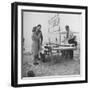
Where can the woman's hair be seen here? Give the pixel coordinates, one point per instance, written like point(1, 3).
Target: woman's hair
point(39, 25)
point(34, 29)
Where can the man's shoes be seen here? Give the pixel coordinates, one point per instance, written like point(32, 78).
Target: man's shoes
point(39, 59)
point(35, 63)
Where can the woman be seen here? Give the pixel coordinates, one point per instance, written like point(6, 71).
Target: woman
point(35, 44)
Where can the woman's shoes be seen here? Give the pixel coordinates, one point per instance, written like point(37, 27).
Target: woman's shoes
point(35, 63)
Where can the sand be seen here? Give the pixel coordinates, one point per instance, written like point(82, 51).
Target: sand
point(54, 65)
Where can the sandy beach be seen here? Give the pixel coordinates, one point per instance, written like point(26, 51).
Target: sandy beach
point(54, 65)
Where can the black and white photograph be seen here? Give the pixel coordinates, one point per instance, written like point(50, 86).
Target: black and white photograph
point(51, 44)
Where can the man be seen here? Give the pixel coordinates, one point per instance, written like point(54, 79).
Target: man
point(71, 40)
point(40, 41)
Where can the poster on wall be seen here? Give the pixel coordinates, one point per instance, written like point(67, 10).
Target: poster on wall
point(49, 44)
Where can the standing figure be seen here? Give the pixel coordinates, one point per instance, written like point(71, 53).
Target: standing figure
point(35, 44)
point(40, 40)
